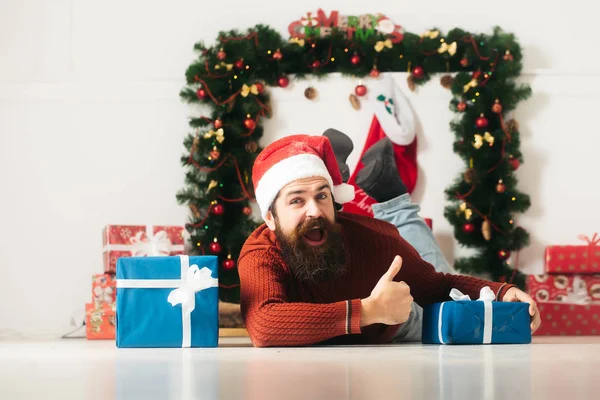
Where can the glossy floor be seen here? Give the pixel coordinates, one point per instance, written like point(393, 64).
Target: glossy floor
point(550, 368)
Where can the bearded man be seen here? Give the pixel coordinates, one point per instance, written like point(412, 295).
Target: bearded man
point(314, 275)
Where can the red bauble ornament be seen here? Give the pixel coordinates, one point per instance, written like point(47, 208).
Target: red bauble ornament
point(462, 106)
point(201, 92)
point(464, 62)
point(221, 55)
point(283, 81)
point(500, 187)
point(360, 90)
point(218, 209)
point(215, 247)
point(374, 73)
point(497, 107)
point(214, 154)
point(250, 124)
point(468, 228)
point(228, 264)
point(503, 255)
point(260, 87)
point(239, 64)
point(355, 59)
point(247, 211)
point(481, 122)
point(418, 72)
point(514, 163)
point(316, 64)
point(218, 124)
point(277, 55)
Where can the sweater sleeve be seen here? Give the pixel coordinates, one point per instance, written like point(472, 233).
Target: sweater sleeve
point(271, 320)
point(429, 286)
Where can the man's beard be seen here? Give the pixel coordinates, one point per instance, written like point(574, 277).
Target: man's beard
point(314, 264)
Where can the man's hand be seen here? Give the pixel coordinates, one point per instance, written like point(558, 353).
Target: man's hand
point(517, 295)
point(389, 302)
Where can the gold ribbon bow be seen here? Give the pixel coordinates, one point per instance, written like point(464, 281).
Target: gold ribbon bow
point(479, 140)
point(468, 212)
point(450, 48)
point(381, 44)
point(213, 184)
point(299, 42)
point(229, 67)
point(220, 135)
point(246, 90)
point(472, 84)
point(430, 34)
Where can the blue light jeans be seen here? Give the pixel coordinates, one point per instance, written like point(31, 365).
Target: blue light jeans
point(404, 215)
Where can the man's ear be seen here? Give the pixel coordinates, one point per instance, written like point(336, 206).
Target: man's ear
point(270, 220)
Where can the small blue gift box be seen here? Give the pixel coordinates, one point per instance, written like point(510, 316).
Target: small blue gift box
point(483, 321)
point(167, 301)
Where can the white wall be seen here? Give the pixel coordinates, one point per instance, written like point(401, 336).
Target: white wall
point(91, 127)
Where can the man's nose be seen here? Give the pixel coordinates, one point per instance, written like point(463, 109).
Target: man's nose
point(313, 210)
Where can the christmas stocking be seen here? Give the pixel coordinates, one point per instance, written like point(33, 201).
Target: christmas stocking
point(392, 117)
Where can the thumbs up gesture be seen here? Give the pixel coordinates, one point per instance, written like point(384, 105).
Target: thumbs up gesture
point(390, 302)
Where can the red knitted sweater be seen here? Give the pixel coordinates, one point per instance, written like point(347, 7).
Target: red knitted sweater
point(279, 310)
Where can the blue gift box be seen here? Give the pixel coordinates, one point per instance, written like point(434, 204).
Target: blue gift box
point(167, 301)
point(476, 322)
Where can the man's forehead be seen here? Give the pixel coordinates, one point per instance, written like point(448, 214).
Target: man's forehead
point(306, 184)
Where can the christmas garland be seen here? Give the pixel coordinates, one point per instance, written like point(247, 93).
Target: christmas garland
point(232, 78)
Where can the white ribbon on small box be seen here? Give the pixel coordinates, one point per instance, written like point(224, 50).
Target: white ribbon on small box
point(157, 244)
point(487, 296)
point(193, 280)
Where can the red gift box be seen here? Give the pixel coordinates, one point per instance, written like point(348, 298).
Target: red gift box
point(100, 321)
point(104, 288)
point(569, 319)
point(140, 241)
point(574, 259)
point(564, 288)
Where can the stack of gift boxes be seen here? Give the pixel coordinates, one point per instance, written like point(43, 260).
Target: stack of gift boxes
point(568, 294)
point(125, 241)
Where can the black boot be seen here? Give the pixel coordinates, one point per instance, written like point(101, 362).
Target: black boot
point(380, 178)
point(342, 147)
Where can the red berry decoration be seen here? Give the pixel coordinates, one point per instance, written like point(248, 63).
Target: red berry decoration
point(228, 264)
point(462, 106)
point(247, 211)
point(239, 64)
point(218, 209)
point(218, 124)
point(374, 73)
point(355, 60)
point(277, 55)
point(215, 247)
point(481, 122)
point(316, 64)
point(360, 90)
point(468, 228)
point(514, 163)
point(503, 255)
point(260, 87)
point(250, 124)
point(464, 62)
point(221, 55)
point(418, 72)
point(284, 81)
point(201, 92)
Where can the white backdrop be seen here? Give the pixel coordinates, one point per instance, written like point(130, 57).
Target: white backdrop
point(91, 127)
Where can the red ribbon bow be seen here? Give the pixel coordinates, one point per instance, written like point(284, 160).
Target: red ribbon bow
point(593, 241)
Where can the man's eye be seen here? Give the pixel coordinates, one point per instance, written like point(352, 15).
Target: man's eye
point(296, 201)
point(322, 196)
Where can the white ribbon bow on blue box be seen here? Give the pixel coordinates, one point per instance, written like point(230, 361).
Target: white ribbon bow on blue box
point(481, 321)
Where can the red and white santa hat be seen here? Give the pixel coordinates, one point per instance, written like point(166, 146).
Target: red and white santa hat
point(296, 157)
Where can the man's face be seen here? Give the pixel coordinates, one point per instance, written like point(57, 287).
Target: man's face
point(304, 223)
